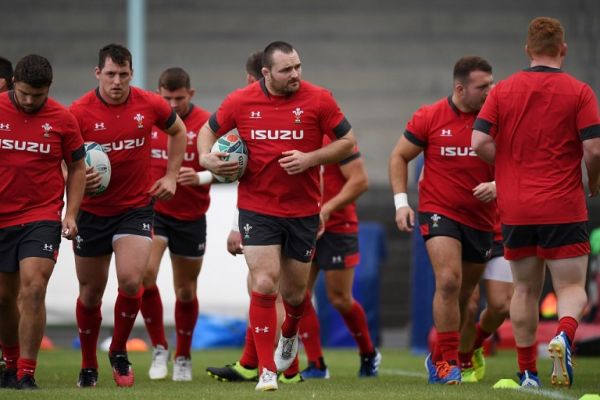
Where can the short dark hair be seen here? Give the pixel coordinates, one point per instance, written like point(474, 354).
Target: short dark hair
point(545, 36)
point(468, 64)
point(34, 70)
point(174, 78)
point(254, 64)
point(118, 53)
point(6, 71)
point(267, 58)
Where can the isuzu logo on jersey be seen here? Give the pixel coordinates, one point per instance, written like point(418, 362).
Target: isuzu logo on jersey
point(22, 145)
point(47, 128)
point(164, 155)
point(297, 113)
point(446, 132)
point(139, 118)
point(123, 144)
point(99, 126)
point(255, 115)
point(281, 134)
point(457, 152)
point(4, 127)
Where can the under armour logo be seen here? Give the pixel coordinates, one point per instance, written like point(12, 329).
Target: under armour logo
point(99, 126)
point(446, 132)
point(308, 253)
point(336, 259)
point(48, 247)
point(145, 227)
point(4, 127)
point(201, 246)
point(263, 330)
point(130, 316)
point(85, 331)
point(185, 333)
point(255, 115)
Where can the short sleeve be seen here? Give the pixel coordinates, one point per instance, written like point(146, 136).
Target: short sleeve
point(588, 118)
point(72, 142)
point(332, 121)
point(417, 129)
point(165, 115)
point(223, 120)
point(488, 116)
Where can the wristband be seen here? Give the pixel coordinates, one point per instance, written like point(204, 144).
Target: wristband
point(400, 200)
point(204, 177)
point(235, 226)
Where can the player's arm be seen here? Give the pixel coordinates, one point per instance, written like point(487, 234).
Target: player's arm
point(485, 191)
point(164, 188)
point(357, 182)
point(75, 188)
point(190, 177)
point(295, 161)
point(591, 157)
point(402, 154)
point(213, 161)
point(483, 144)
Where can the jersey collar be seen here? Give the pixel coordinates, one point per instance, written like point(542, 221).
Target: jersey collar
point(189, 112)
point(112, 105)
point(542, 68)
point(453, 106)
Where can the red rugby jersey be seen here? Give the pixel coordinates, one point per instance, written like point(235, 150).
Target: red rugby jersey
point(452, 169)
point(270, 125)
point(344, 220)
point(32, 147)
point(124, 132)
point(190, 202)
point(542, 115)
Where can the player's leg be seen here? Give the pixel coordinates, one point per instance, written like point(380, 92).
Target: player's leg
point(467, 338)
point(185, 277)
point(9, 323)
point(35, 273)
point(528, 278)
point(310, 332)
point(152, 310)
point(568, 279)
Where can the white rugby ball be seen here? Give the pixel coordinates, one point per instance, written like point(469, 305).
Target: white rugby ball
point(97, 158)
point(235, 146)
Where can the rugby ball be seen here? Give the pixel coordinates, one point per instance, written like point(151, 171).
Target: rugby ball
point(236, 148)
point(96, 157)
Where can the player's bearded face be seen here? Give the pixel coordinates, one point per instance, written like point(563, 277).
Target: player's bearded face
point(29, 98)
point(284, 76)
point(476, 90)
point(113, 81)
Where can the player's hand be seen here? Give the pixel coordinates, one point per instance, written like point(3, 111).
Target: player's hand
point(215, 163)
point(92, 180)
point(234, 243)
point(164, 188)
point(295, 161)
point(188, 177)
point(69, 228)
point(485, 191)
point(405, 219)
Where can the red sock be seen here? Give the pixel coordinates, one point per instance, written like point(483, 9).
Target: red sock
point(465, 360)
point(10, 355)
point(527, 357)
point(249, 357)
point(293, 369)
point(25, 366)
point(186, 315)
point(293, 314)
point(126, 310)
point(310, 333)
point(568, 325)
point(356, 321)
point(152, 311)
point(448, 344)
point(436, 355)
point(88, 324)
point(480, 337)
point(263, 321)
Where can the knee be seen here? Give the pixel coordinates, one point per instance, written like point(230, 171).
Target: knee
point(448, 286)
point(32, 295)
point(264, 284)
point(340, 301)
point(185, 294)
point(500, 307)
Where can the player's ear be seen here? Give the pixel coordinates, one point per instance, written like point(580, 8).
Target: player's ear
point(192, 92)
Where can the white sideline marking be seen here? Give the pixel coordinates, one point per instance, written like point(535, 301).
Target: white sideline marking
point(538, 392)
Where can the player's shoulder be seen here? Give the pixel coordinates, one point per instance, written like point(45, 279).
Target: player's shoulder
point(199, 112)
point(84, 101)
point(425, 110)
point(143, 95)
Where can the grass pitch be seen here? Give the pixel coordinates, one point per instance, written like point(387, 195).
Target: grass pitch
point(402, 376)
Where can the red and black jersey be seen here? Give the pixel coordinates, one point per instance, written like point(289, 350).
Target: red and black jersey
point(452, 169)
point(541, 116)
point(190, 202)
point(124, 132)
point(270, 125)
point(344, 220)
point(32, 148)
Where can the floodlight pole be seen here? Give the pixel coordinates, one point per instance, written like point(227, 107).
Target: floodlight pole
point(136, 39)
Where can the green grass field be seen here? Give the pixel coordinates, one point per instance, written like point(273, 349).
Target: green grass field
point(401, 376)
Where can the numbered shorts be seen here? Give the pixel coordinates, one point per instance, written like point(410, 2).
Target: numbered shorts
point(96, 233)
point(297, 236)
point(476, 244)
point(34, 239)
point(550, 242)
point(337, 251)
point(184, 238)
